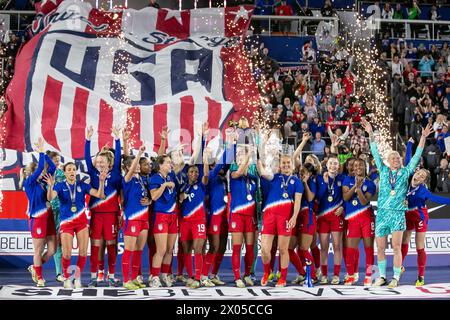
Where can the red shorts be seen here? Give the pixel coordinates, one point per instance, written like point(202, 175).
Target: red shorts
point(104, 225)
point(242, 223)
point(190, 230)
point(414, 220)
point(330, 223)
point(307, 224)
point(134, 227)
point(75, 226)
point(361, 226)
point(218, 224)
point(165, 223)
point(274, 224)
point(43, 227)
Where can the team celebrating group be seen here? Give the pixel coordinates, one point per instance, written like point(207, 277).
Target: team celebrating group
point(293, 205)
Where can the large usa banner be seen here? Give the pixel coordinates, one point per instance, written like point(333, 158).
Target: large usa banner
point(139, 69)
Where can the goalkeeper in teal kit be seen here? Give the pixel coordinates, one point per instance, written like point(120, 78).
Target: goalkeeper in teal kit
point(390, 218)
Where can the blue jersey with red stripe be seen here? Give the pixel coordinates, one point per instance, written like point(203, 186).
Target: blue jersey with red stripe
point(282, 184)
point(113, 182)
point(240, 188)
point(417, 196)
point(133, 192)
point(352, 210)
point(193, 205)
point(81, 190)
point(167, 202)
point(333, 189)
point(36, 189)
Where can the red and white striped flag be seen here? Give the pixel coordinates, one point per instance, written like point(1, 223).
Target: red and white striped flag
point(143, 69)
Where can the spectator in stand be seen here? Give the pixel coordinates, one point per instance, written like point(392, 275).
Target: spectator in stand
point(308, 52)
point(414, 14)
point(284, 9)
point(441, 138)
point(432, 156)
point(327, 9)
point(434, 15)
point(356, 151)
point(416, 127)
point(348, 82)
point(337, 87)
point(297, 115)
point(278, 93)
point(410, 110)
point(322, 83)
point(443, 176)
point(425, 66)
point(339, 135)
point(310, 110)
point(421, 51)
point(398, 27)
point(318, 146)
point(396, 66)
point(434, 52)
point(359, 139)
point(306, 12)
point(339, 71)
point(317, 126)
point(386, 13)
point(441, 67)
point(356, 112)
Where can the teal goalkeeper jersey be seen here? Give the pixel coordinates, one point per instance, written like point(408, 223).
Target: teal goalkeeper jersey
point(385, 200)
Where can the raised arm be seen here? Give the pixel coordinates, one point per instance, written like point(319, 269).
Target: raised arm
point(39, 147)
point(51, 166)
point(205, 176)
point(373, 146)
point(416, 158)
point(296, 156)
point(50, 180)
point(87, 149)
point(126, 146)
point(436, 199)
point(409, 151)
point(117, 149)
point(162, 145)
point(134, 164)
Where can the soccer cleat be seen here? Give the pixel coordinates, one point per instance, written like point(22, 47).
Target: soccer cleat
point(216, 280)
point(314, 280)
point(195, 284)
point(394, 283)
point(346, 277)
point(112, 282)
point(140, 279)
point(420, 281)
point(318, 273)
point(33, 273)
point(281, 283)
point(130, 285)
point(155, 282)
point(171, 278)
point(100, 276)
point(93, 283)
point(77, 283)
point(205, 282)
point(350, 281)
point(68, 284)
point(367, 281)
point(271, 276)
point(248, 281)
point(253, 277)
point(264, 280)
point(299, 280)
point(41, 283)
point(165, 280)
point(60, 278)
point(324, 280)
point(380, 282)
point(356, 275)
point(278, 275)
point(189, 282)
point(181, 278)
point(139, 283)
point(335, 280)
point(239, 283)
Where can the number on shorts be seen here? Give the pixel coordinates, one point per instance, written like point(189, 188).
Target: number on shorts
point(201, 227)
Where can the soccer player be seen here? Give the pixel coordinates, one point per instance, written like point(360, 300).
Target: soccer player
point(281, 209)
point(390, 217)
point(41, 221)
point(417, 219)
point(59, 177)
point(136, 202)
point(242, 221)
point(165, 228)
point(358, 191)
point(193, 223)
point(71, 194)
point(104, 212)
point(330, 217)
